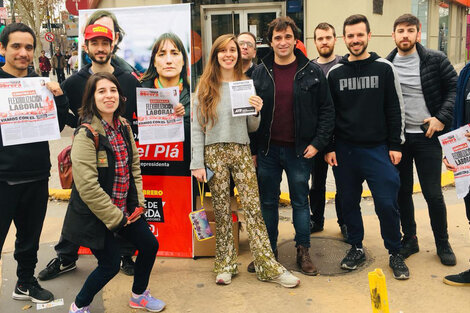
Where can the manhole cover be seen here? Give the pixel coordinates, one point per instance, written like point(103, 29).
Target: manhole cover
point(326, 254)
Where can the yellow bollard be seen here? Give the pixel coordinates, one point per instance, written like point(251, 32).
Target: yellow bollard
point(378, 291)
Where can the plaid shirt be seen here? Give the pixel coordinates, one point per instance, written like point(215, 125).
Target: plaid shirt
point(121, 177)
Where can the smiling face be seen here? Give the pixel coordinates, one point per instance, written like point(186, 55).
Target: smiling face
point(356, 39)
point(406, 36)
point(168, 61)
point(227, 56)
point(106, 98)
point(325, 42)
point(18, 53)
point(283, 43)
point(99, 49)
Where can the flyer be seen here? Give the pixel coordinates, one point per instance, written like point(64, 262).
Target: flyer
point(156, 117)
point(240, 93)
point(27, 111)
point(456, 149)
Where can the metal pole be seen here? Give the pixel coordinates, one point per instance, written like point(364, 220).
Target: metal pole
point(49, 29)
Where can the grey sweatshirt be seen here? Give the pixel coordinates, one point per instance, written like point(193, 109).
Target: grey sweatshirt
point(227, 129)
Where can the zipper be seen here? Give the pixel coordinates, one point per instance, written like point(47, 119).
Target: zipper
point(274, 105)
point(295, 126)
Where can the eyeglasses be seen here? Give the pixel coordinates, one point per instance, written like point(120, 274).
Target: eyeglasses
point(247, 43)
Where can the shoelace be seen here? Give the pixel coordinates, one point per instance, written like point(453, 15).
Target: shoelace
point(397, 261)
point(353, 254)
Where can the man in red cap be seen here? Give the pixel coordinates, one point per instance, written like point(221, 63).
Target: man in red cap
point(99, 44)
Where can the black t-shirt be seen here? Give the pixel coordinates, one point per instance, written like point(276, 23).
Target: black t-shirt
point(467, 101)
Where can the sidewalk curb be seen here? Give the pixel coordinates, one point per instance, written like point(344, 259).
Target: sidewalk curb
point(446, 180)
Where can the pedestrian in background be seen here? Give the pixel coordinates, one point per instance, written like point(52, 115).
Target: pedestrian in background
point(44, 64)
point(58, 65)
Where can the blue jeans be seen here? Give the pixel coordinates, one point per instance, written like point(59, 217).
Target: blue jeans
point(298, 170)
point(356, 164)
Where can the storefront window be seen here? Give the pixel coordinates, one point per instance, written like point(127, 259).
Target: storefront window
point(235, 17)
point(443, 25)
point(419, 8)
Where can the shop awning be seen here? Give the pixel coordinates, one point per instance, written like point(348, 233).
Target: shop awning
point(463, 2)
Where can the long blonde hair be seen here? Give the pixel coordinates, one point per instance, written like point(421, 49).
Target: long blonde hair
point(209, 85)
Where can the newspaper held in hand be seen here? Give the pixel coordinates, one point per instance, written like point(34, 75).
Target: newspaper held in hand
point(456, 149)
point(156, 116)
point(27, 111)
point(240, 93)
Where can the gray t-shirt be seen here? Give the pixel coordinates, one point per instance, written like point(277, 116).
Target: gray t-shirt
point(416, 111)
point(325, 67)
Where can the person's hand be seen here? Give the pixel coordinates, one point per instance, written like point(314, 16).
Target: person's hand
point(310, 152)
point(468, 136)
point(330, 158)
point(395, 156)
point(255, 160)
point(54, 87)
point(434, 126)
point(449, 166)
point(256, 102)
point(179, 110)
point(200, 174)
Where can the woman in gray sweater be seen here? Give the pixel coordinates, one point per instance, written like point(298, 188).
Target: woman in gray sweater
point(221, 142)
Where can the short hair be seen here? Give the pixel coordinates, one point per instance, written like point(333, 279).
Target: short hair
point(280, 24)
point(117, 29)
point(323, 26)
point(408, 19)
point(15, 27)
point(356, 19)
point(249, 34)
point(89, 108)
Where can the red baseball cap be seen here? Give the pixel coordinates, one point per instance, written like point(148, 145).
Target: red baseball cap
point(96, 30)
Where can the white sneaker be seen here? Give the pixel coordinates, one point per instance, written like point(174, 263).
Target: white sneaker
point(223, 279)
point(286, 279)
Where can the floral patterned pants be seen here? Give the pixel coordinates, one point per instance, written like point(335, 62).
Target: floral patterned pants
point(223, 159)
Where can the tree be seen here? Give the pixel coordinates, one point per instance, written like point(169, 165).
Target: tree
point(34, 13)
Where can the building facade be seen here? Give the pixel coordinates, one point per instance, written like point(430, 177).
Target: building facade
point(444, 22)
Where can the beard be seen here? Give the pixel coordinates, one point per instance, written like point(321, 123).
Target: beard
point(326, 54)
point(364, 47)
point(406, 49)
point(94, 59)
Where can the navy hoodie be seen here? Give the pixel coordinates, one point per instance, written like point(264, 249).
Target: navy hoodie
point(368, 103)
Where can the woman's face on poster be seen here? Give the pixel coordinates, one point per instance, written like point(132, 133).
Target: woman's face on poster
point(168, 60)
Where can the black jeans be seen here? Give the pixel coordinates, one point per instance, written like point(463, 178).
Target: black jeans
point(427, 155)
point(25, 205)
point(109, 261)
point(467, 206)
point(60, 75)
point(317, 192)
point(67, 251)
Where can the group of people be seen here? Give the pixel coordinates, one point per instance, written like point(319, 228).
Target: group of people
point(366, 116)
point(58, 64)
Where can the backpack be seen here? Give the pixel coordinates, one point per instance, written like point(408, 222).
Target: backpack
point(65, 161)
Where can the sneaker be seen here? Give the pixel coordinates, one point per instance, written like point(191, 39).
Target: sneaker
point(32, 291)
point(445, 253)
point(315, 227)
point(127, 265)
point(305, 262)
point(397, 264)
point(75, 309)
point(462, 279)
point(353, 258)
point(344, 232)
point(54, 268)
point(409, 246)
point(251, 267)
point(286, 279)
point(147, 302)
point(223, 279)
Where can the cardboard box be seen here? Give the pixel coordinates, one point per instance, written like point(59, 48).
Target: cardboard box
point(207, 247)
